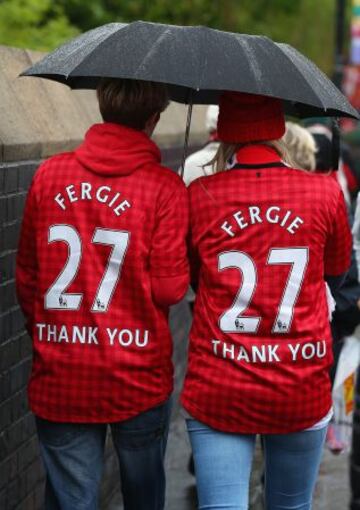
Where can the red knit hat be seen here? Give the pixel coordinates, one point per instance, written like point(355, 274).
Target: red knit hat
point(249, 118)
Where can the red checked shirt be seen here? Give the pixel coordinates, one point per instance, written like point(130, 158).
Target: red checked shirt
point(263, 236)
point(104, 229)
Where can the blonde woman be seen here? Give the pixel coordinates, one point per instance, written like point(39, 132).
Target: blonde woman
point(262, 242)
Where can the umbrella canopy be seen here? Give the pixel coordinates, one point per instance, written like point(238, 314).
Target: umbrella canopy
point(197, 63)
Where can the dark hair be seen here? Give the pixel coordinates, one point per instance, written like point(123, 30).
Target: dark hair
point(131, 102)
point(324, 152)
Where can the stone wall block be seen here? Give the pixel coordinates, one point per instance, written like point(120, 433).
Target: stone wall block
point(41, 117)
point(19, 135)
point(64, 107)
point(88, 103)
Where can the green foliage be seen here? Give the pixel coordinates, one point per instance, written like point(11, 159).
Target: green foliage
point(306, 24)
point(35, 24)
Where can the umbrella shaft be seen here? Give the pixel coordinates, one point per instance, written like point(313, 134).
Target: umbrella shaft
point(187, 132)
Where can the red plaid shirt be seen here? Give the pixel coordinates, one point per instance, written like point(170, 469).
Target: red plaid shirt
point(263, 236)
point(102, 227)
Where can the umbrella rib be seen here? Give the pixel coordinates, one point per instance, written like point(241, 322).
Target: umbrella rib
point(160, 37)
point(153, 48)
point(304, 79)
point(332, 91)
point(80, 48)
point(96, 48)
point(255, 69)
point(202, 61)
point(71, 50)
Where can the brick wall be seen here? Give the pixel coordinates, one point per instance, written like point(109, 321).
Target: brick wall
point(21, 471)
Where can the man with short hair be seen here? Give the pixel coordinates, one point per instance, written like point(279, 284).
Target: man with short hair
point(102, 255)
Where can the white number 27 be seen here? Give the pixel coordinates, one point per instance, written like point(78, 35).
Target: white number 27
point(56, 298)
point(232, 321)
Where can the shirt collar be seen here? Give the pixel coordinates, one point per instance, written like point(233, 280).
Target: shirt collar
point(255, 154)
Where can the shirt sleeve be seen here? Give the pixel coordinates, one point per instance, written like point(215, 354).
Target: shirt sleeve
point(26, 260)
point(339, 242)
point(168, 291)
point(168, 256)
point(193, 242)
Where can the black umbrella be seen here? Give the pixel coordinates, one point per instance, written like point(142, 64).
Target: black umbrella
point(197, 63)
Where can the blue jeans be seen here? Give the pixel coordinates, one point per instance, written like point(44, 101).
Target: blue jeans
point(223, 465)
point(73, 457)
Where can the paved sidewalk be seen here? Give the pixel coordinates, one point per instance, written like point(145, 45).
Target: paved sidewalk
point(332, 490)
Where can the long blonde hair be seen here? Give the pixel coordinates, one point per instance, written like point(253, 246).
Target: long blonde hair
point(227, 150)
point(301, 145)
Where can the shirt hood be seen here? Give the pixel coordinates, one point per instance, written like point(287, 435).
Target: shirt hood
point(113, 149)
